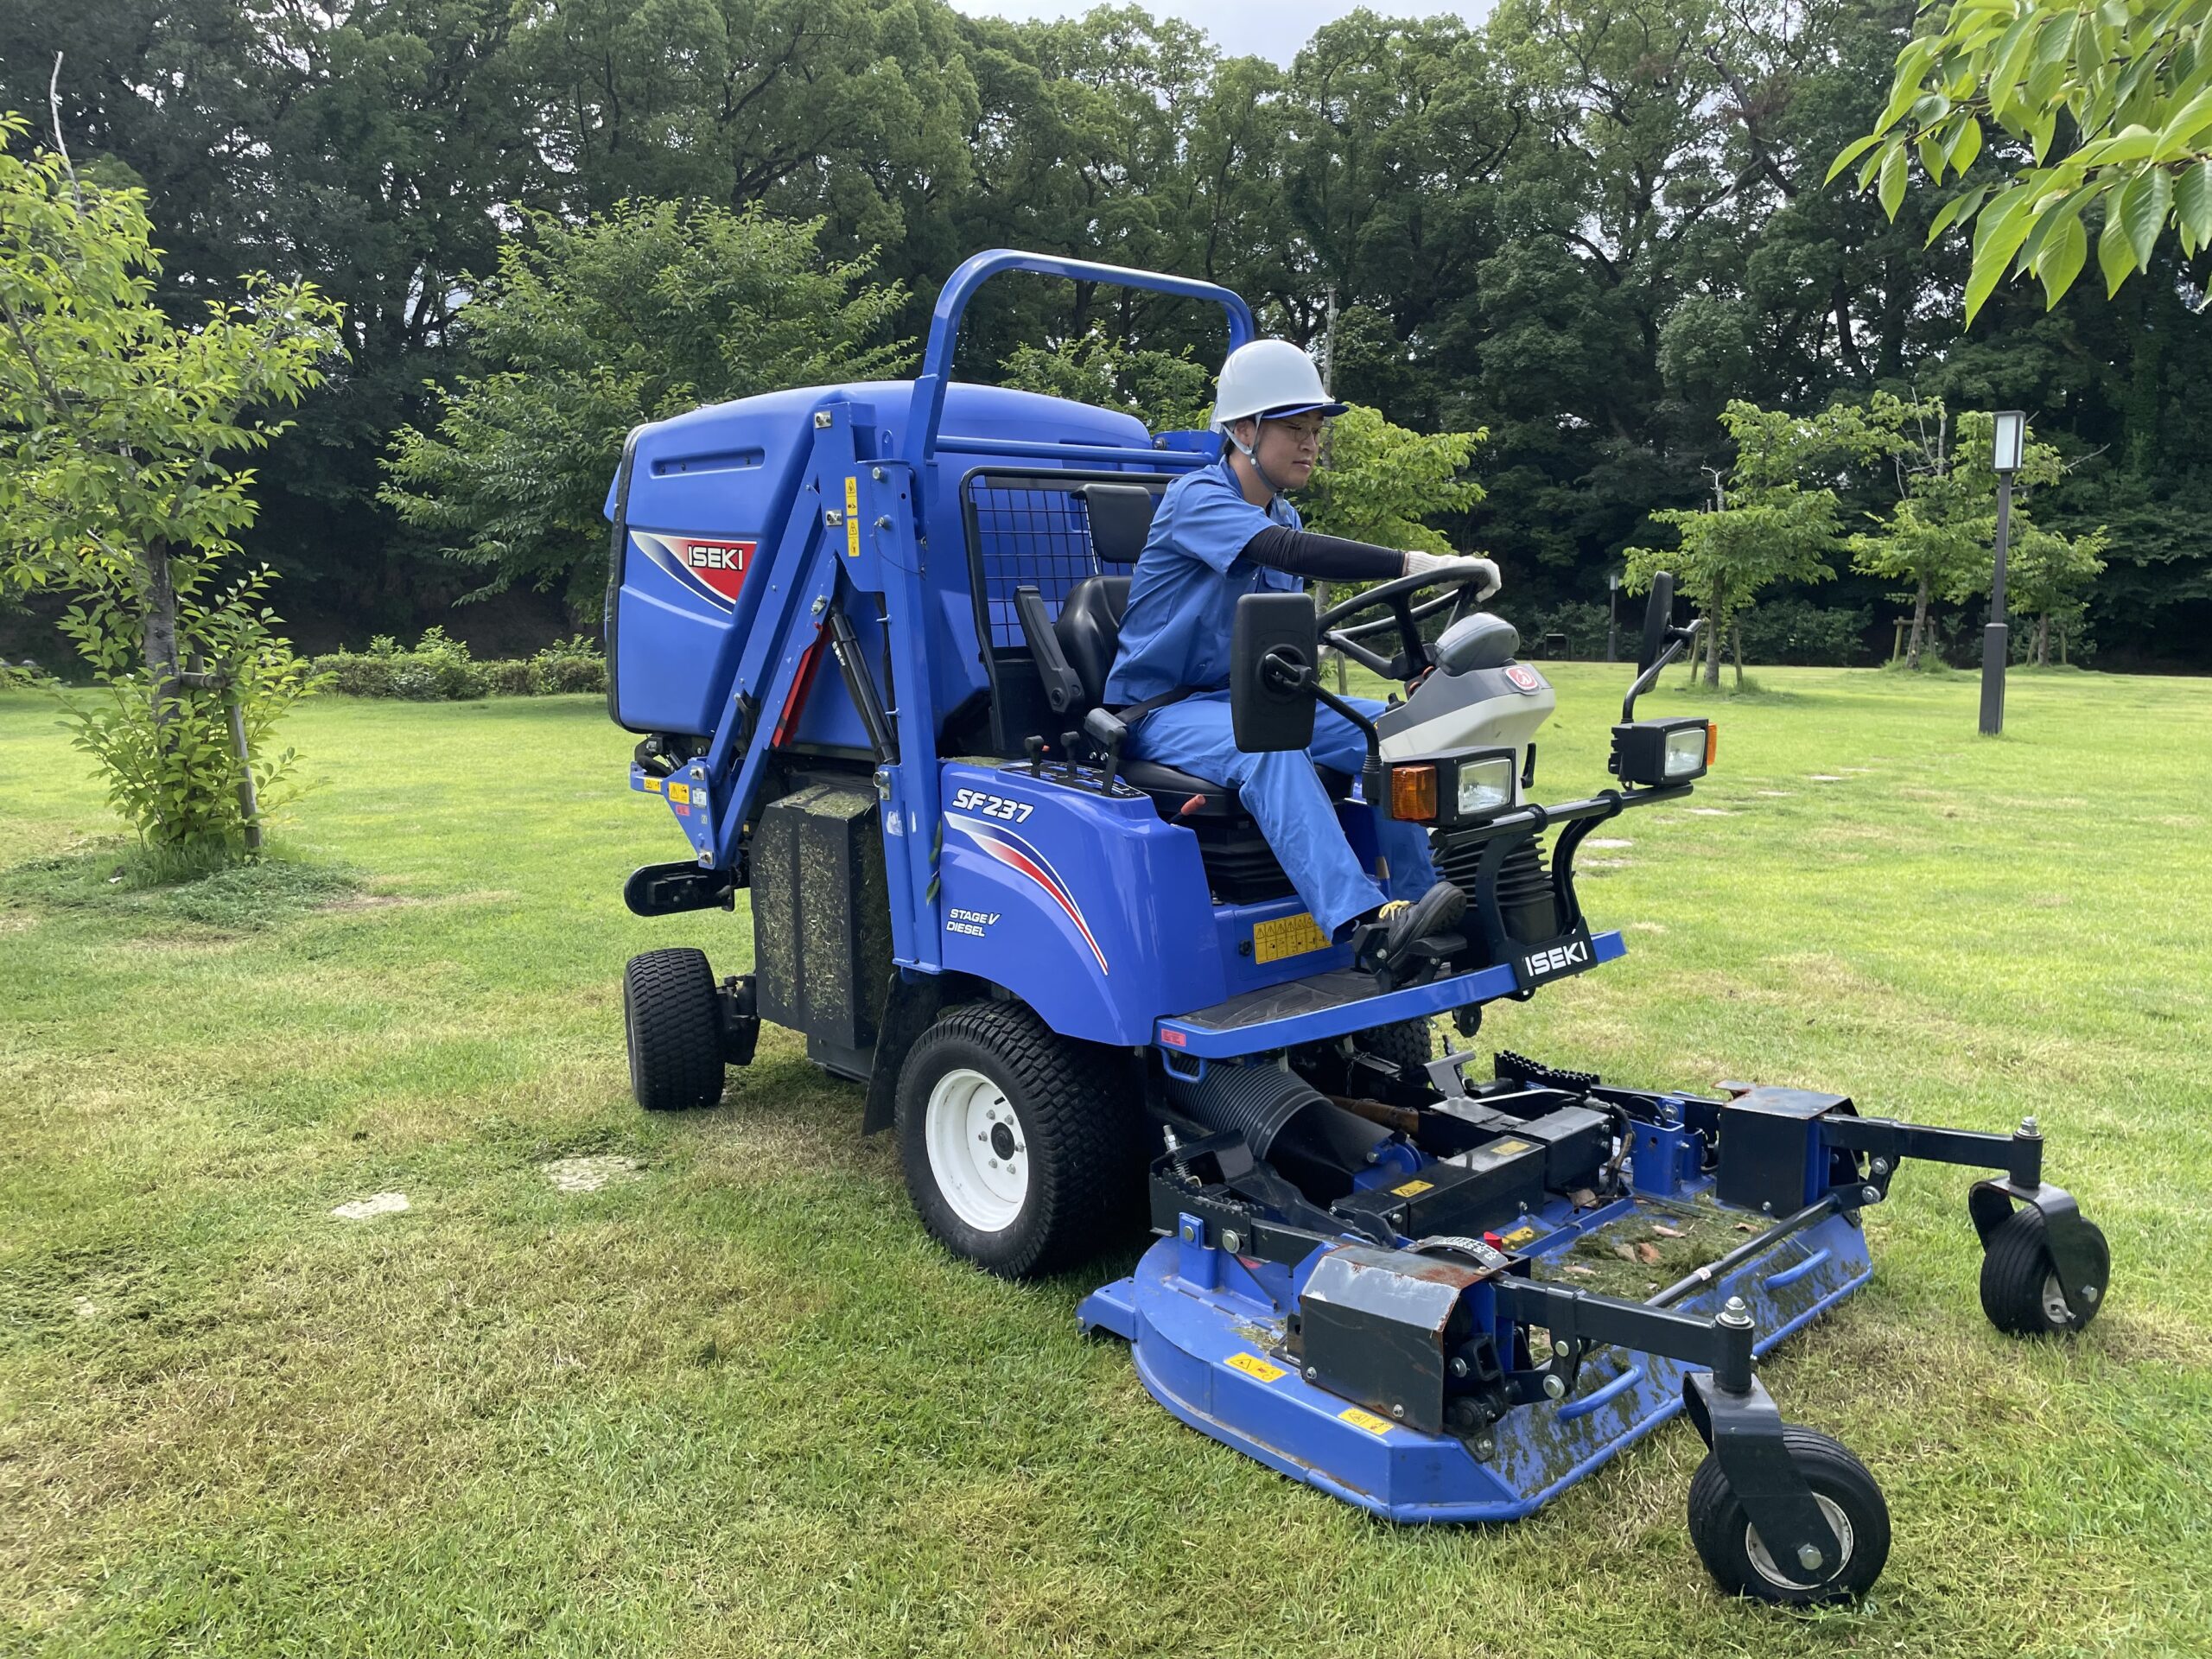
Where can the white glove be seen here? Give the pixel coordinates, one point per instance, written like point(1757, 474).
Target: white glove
point(1451, 568)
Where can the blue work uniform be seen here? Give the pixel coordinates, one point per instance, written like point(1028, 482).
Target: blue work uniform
point(1175, 633)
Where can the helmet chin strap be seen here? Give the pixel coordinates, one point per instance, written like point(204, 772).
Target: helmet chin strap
point(1251, 453)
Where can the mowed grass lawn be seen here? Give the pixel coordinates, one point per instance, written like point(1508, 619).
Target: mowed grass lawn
point(738, 1404)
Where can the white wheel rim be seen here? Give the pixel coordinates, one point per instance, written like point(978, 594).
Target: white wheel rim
point(979, 1153)
point(2055, 1311)
point(1762, 1563)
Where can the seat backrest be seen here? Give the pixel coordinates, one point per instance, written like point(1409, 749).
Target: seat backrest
point(1121, 519)
point(1089, 631)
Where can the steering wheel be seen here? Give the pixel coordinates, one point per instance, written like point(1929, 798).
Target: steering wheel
point(1396, 595)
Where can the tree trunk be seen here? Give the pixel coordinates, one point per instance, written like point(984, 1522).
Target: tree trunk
point(161, 637)
point(1919, 628)
point(2043, 640)
point(1736, 640)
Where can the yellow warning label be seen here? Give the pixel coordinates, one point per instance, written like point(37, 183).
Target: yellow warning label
point(1413, 1188)
point(653, 785)
point(1517, 1237)
point(1508, 1146)
point(1287, 936)
point(1253, 1365)
point(680, 793)
point(1366, 1420)
point(852, 517)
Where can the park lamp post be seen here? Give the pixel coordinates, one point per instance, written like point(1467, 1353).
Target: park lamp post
point(1613, 615)
point(2010, 441)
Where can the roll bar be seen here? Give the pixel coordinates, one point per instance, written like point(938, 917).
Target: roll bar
point(927, 409)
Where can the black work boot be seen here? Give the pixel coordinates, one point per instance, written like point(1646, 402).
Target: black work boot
point(1386, 944)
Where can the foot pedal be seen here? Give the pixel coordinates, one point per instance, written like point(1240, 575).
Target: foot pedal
point(1518, 1068)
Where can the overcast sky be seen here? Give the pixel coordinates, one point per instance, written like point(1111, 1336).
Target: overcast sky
point(1268, 28)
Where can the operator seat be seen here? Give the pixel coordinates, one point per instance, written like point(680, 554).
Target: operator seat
point(1089, 630)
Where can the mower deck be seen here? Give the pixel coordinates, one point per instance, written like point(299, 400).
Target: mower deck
point(1206, 1329)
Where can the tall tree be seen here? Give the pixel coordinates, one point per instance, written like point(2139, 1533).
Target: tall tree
point(587, 330)
point(116, 483)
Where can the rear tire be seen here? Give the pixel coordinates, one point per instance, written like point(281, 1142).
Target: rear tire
point(1850, 1501)
point(673, 1021)
point(1021, 1149)
point(2019, 1281)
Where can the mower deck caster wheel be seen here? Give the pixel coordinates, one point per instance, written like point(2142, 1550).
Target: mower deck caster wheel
point(2020, 1281)
point(673, 1019)
point(1850, 1502)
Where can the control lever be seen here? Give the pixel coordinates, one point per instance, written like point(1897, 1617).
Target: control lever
point(1036, 748)
point(1104, 729)
point(1068, 742)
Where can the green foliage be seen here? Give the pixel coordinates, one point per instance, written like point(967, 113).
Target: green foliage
point(441, 669)
point(111, 420)
point(1583, 227)
point(2133, 80)
point(1941, 536)
point(1768, 528)
point(1168, 391)
point(587, 330)
point(1382, 483)
point(170, 760)
point(1797, 632)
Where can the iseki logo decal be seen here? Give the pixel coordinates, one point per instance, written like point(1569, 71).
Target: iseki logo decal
point(712, 567)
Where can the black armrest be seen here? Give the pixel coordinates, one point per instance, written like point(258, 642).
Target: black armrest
point(1063, 689)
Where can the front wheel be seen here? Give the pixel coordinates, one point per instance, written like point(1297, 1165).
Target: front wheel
point(1850, 1502)
point(1021, 1149)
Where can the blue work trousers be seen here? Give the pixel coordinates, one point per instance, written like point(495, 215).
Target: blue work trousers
point(1285, 797)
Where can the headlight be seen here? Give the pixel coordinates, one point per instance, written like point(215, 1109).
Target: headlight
point(1485, 785)
point(1453, 787)
point(1686, 752)
point(1654, 753)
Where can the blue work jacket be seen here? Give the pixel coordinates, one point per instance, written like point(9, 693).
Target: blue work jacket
point(1183, 597)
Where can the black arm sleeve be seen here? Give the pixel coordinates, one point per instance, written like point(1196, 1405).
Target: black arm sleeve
point(1329, 557)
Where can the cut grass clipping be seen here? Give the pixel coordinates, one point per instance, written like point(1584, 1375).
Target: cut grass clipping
point(609, 1385)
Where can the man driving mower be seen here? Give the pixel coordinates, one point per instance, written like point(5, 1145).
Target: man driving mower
point(1227, 531)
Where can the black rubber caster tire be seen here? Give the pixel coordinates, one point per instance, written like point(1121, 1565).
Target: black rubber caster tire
point(674, 1023)
point(1730, 1547)
point(1022, 1149)
point(2019, 1282)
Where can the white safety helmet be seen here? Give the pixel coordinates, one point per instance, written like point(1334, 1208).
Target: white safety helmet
point(1268, 378)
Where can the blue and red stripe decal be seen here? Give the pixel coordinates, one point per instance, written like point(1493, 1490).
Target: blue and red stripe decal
point(1019, 856)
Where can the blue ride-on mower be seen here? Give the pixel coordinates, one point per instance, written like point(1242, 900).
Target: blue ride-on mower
point(863, 633)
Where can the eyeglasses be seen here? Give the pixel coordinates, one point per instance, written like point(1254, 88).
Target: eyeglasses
point(1302, 432)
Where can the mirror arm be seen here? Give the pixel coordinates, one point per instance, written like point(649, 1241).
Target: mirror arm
point(1649, 677)
point(1370, 776)
point(1298, 676)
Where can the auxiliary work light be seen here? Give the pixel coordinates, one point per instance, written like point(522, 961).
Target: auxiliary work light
point(1654, 753)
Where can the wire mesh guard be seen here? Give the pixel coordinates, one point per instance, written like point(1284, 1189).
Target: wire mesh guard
point(1025, 536)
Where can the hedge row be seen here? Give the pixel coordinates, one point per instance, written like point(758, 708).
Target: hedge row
point(439, 670)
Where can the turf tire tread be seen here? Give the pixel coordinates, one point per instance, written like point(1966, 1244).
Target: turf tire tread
point(1083, 1127)
point(674, 1026)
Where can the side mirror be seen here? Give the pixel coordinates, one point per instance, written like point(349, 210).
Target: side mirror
point(1658, 617)
point(1274, 638)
